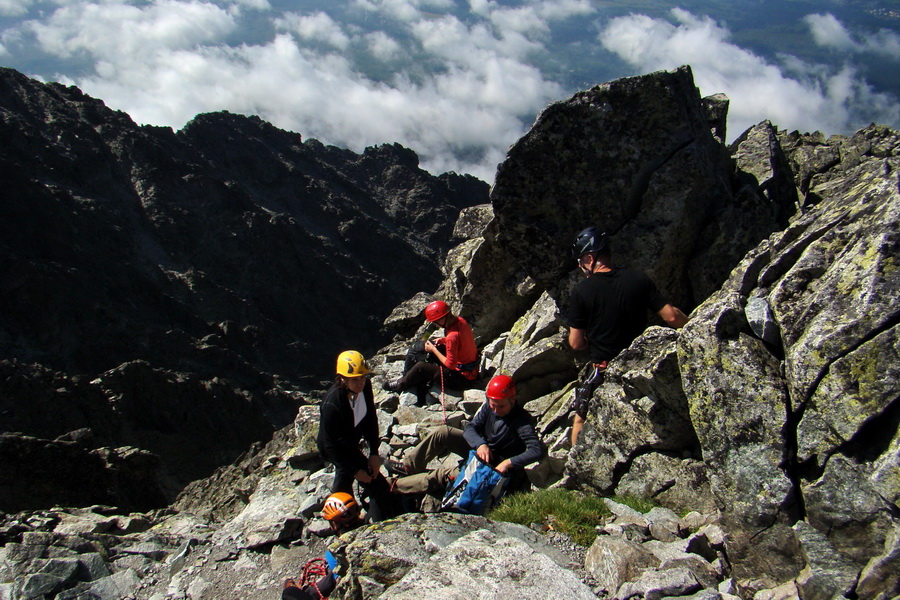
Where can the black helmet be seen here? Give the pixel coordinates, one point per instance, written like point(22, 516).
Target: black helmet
point(590, 240)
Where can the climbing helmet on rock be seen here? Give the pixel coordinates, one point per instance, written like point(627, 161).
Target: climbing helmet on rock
point(340, 508)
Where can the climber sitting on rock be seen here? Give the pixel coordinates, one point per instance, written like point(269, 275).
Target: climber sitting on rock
point(452, 360)
point(502, 434)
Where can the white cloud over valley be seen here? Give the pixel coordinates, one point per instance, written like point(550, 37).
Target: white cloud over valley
point(829, 32)
point(793, 95)
point(458, 84)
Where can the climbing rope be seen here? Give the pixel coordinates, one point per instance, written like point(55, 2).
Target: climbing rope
point(313, 571)
point(443, 398)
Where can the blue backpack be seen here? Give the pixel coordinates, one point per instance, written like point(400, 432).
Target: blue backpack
point(476, 489)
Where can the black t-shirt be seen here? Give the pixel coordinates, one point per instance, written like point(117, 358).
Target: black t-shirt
point(612, 309)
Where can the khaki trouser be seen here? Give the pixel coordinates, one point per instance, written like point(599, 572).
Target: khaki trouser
point(438, 442)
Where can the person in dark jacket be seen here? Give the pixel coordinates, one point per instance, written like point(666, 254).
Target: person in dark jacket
point(346, 417)
point(501, 433)
point(607, 310)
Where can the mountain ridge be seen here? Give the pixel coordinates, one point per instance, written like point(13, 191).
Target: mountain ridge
point(227, 250)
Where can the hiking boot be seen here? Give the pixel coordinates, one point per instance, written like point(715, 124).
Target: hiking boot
point(392, 385)
point(395, 467)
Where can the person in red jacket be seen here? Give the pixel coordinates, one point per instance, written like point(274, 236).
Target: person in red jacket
point(455, 356)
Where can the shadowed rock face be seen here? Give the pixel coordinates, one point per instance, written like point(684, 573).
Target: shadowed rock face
point(229, 244)
point(227, 254)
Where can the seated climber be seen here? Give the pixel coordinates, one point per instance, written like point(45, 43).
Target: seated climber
point(455, 354)
point(501, 433)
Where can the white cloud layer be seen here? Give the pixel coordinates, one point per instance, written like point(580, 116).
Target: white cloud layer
point(828, 32)
point(457, 82)
point(317, 27)
point(166, 61)
point(119, 32)
point(14, 8)
point(792, 96)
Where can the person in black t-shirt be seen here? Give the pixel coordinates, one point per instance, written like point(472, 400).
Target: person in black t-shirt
point(607, 311)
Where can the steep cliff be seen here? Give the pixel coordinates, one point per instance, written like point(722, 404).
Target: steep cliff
point(777, 405)
point(177, 291)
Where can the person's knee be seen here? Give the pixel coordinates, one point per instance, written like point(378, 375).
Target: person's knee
point(445, 431)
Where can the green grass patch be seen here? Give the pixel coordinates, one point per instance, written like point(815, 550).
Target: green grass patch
point(642, 505)
point(567, 511)
point(571, 512)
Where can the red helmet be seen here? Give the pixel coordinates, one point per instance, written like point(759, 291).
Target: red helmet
point(436, 310)
point(501, 387)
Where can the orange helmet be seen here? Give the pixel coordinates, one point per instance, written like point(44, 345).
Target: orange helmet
point(436, 310)
point(340, 509)
point(501, 387)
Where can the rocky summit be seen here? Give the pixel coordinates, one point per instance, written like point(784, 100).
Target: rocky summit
point(766, 432)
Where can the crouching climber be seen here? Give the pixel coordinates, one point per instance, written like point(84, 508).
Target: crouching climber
point(451, 361)
point(501, 433)
point(347, 416)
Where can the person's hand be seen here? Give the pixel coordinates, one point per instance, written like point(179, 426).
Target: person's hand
point(505, 466)
point(429, 347)
point(363, 477)
point(374, 465)
point(484, 453)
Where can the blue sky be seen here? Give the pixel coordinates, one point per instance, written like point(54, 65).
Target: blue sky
point(458, 81)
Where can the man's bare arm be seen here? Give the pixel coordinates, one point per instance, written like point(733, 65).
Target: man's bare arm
point(673, 316)
point(577, 339)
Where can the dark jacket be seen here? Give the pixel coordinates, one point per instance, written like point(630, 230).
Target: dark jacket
point(512, 436)
point(611, 307)
point(338, 439)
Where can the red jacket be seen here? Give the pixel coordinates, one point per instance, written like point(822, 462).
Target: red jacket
point(460, 349)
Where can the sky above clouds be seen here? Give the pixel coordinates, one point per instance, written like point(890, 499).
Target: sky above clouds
point(458, 81)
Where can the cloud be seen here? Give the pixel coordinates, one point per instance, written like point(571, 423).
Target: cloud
point(14, 8)
point(115, 30)
point(170, 63)
point(828, 32)
point(794, 95)
point(254, 4)
point(403, 10)
point(316, 27)
point(456, 85)
point(382, 46)
point(564, 9)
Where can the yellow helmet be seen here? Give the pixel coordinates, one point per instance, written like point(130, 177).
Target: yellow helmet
point(351, 363)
